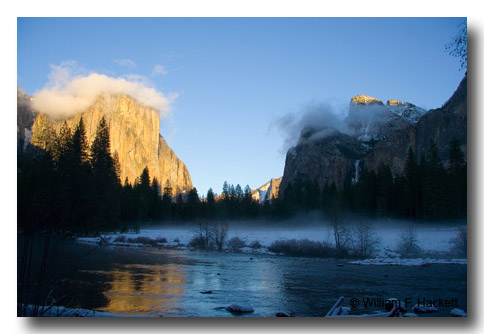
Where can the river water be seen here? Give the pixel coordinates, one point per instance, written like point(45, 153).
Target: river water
point(153, 282)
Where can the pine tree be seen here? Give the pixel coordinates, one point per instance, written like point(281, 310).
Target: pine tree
point(155, 203)
point(128, 204)
point(80, 149)
point(193, 204)
point(231, 192)
point(366, 192)
point(63, 144)
point(144, 180)
point(167, 191)
point(457, 171)
point(248, 208)
point(143, 196)
point(155, 187)
point(238, 192)
point(225, 190)
point(105, 179)
point(399, 202)
point(167, 199)
point(211, 208)
point(62, 158)
point(82, 185)
point(410, 174)
point(100, 155)
point(117, 165)
point(247, 192)
point(384, 190)
point(435, 188)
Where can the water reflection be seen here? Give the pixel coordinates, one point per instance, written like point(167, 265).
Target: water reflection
point(144, 289)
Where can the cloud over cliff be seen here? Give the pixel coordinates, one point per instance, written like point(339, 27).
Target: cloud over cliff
point(322, 118)
point(71, 90)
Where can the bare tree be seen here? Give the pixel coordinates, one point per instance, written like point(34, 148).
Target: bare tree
point(342, 236)
point(408, 243)
point(219, 234)
point(457, 47)
point(365, 239)
point(460, 241)
point(203, 236)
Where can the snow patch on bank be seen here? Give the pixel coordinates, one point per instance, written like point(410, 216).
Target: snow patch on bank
point(434, 241)
point(384, 261)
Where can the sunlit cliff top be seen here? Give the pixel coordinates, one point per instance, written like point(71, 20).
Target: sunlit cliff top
point(365, 99)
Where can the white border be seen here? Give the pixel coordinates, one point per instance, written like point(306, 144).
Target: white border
point(257, 8)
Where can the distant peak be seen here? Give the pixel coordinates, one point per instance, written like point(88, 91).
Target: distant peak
point(396, 102)
point(365, 99)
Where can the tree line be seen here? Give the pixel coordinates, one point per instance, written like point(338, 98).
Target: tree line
point(427, 190)
point(65, 185)
point(146, 201)
point(71, 187)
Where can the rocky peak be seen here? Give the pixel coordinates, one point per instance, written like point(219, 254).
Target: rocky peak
point(134, 130)
point(367, 117)
point(395, 102)
point(269, 190)
point(405, 111)
point(365, 100)
point(373, 120)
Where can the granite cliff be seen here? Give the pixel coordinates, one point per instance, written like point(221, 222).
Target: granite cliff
point(379, 133)
point(440, 125)
point(135, 136)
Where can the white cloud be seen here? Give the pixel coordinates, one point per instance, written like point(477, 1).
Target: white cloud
point(321, 118)
point(125, 62)
point(159, 70)
point(72, 90)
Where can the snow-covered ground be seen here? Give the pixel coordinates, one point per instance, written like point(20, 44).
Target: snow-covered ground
point(60, 311)
point(435, 239)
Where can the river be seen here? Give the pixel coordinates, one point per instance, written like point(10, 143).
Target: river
point(154, 281)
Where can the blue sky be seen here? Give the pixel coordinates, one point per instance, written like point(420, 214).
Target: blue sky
point(235, 77)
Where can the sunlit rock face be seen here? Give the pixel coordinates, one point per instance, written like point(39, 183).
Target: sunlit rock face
point(372, 120)
point(269, 190)
point(134, 130)
point(379, 134)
